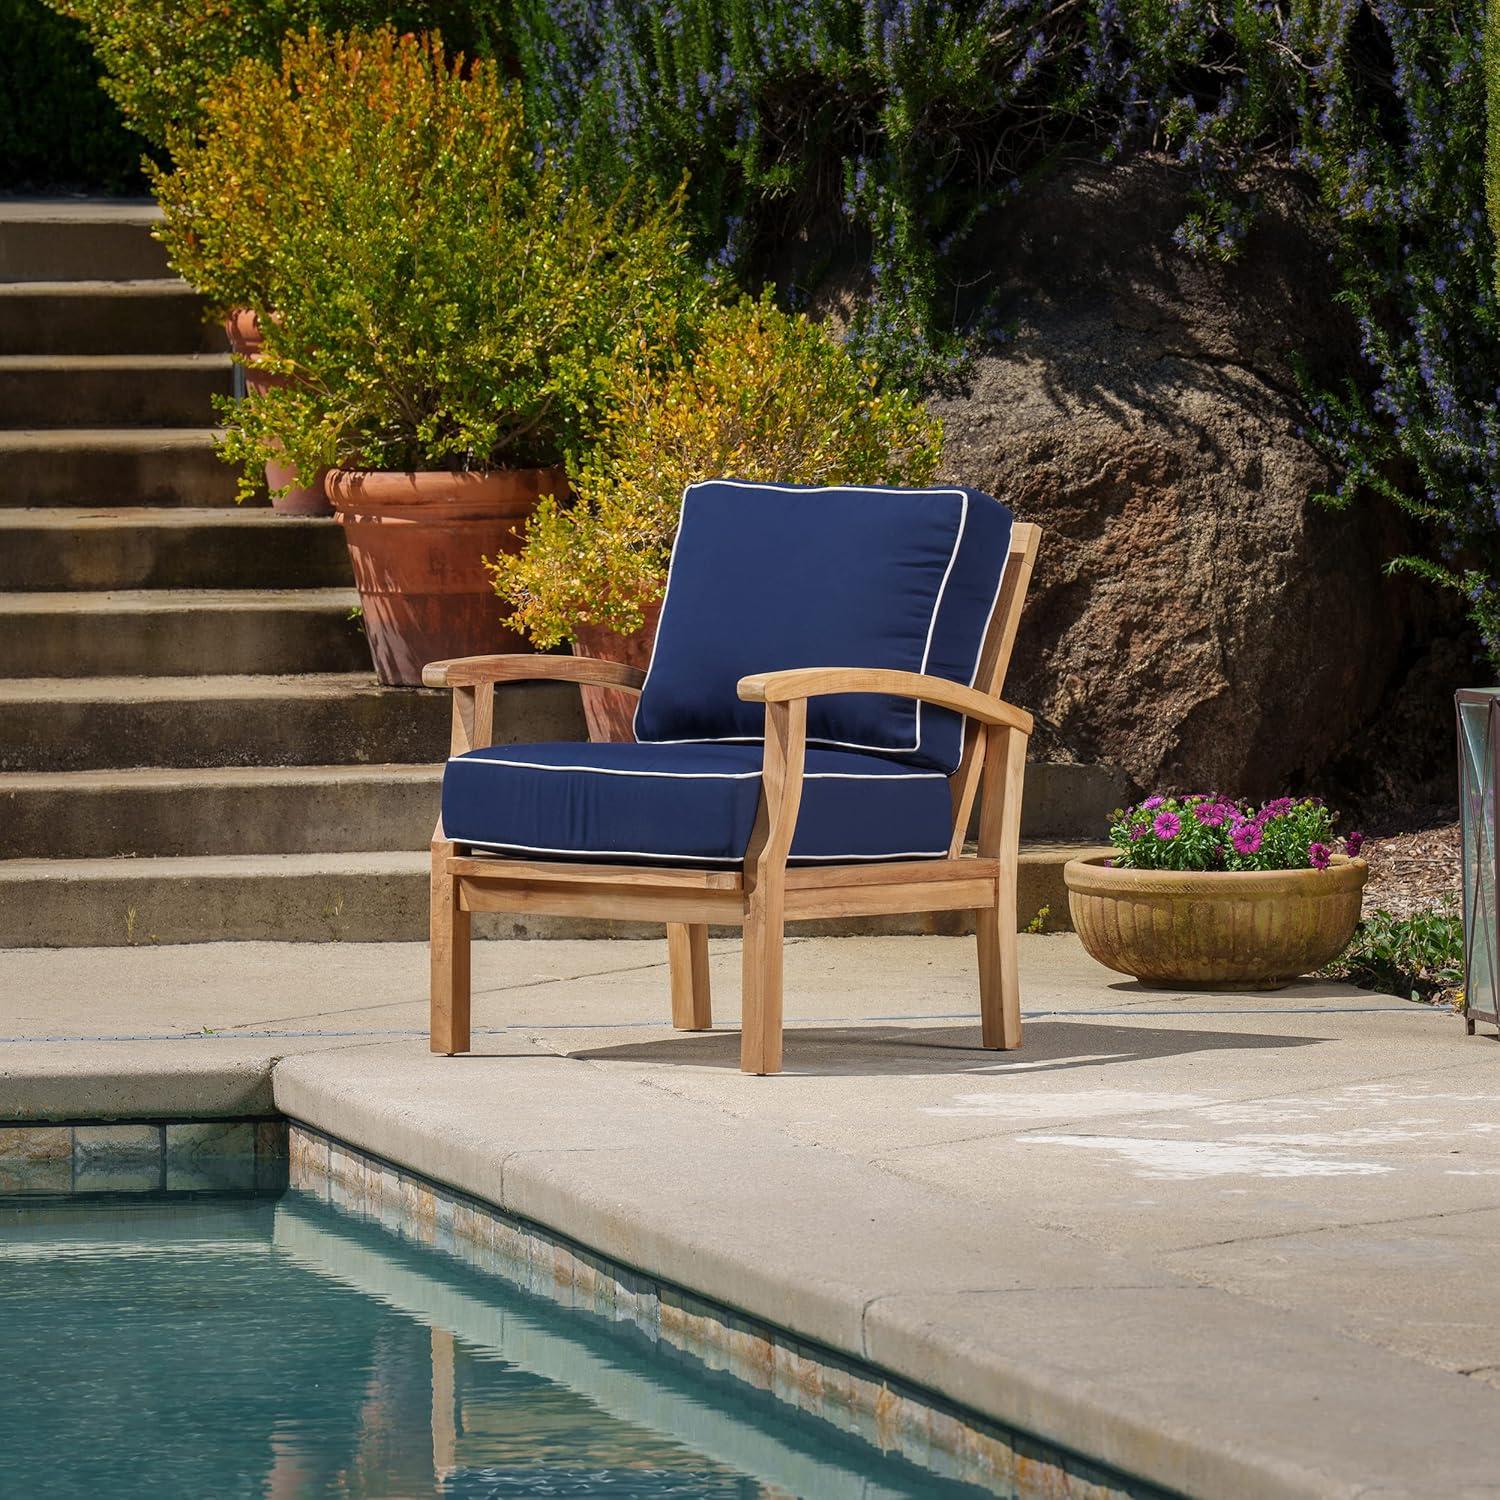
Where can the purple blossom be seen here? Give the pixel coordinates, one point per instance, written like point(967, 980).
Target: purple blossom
point(1354, 843)
point(1152, 803)
point(1212, 814)
point(1167, 825)
point(1318, 856)
point(1138, 832)
point(1246, 837)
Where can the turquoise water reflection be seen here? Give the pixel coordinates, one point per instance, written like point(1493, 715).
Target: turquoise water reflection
point(249, 1347)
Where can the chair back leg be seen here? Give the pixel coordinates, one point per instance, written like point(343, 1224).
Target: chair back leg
point(687, 956)
point(760, 1003)
point(1000, 838)
point(448, 1028)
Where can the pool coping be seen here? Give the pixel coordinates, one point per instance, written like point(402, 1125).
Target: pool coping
point(1224, 1396)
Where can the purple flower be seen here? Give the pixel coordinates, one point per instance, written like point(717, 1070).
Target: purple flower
point(1211, 814)
point(1152, 802)
point(1137, 832)
point(1246, 837)
point(1354, 843)
point(1317, 855)
point(1167, 825)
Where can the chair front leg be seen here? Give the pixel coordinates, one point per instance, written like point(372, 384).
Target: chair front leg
point(995, 926)
point(687, 957)
point(448, 1028)
point(765, 886)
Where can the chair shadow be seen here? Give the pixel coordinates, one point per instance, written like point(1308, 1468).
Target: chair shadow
point(1050, 1045)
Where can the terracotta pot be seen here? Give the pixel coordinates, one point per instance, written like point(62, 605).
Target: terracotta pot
point(609, 712)
point(242, 328)
point(416, 542)
point(1214, 930)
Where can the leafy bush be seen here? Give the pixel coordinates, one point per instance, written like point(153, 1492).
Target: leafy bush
point(1419, 957)
point(162, 58)
point(56, 128)
point(1212, 833)
point(895, 133)
point(758, 394)
point(431, 291)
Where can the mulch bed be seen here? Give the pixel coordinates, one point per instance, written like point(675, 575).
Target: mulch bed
point(1413, 872)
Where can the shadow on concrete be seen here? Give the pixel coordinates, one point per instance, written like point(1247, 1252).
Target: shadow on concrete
point(1050, 1046)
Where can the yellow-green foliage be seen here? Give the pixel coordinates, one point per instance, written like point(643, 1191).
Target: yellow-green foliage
point(434, 293)
point(761, 395)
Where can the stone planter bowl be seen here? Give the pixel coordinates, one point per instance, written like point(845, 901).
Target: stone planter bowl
point(1214, 930)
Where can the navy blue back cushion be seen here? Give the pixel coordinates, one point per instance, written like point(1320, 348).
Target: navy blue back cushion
point(770, 576)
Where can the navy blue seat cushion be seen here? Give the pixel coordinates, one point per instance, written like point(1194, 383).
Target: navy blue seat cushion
point(769, 576)
point(686, 804)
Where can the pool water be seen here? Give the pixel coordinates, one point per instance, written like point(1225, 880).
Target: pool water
point(253, 1346)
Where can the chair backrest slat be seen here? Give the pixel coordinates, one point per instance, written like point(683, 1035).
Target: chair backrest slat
point(994, 662)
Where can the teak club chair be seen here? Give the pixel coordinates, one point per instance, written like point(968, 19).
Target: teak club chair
point(821, 709)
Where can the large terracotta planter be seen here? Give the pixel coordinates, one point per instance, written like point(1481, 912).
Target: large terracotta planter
point(1220, 930)
point(609, 712)
point(417, 541)
point(242, 328)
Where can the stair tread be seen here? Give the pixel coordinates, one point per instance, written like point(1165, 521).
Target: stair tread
point(44, 210)
point(187, 777)
point(153, 867)
point(153, 518)
point(129, 286)
point(176, 601)
point(33, 364)
point(148, 517)
point(270, 688)
point(144, 439)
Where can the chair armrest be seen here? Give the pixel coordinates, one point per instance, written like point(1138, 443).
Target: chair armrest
point(817, 682)
point(474, 671)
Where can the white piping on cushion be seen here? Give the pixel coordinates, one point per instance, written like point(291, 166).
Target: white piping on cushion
point(937, 605)
point(528, 765)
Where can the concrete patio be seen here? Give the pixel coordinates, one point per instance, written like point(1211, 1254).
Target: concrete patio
point(1234, 1245)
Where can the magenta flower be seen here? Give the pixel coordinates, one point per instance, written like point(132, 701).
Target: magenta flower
point(1354, 843)
point(1246, 837)
point(1167, 825)
point(1211, 814)
point(1152, 802)
point(1317, 855)
point(1137, 832)
point(1277, 808)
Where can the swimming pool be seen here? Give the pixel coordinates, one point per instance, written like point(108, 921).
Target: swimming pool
point(271, 1345)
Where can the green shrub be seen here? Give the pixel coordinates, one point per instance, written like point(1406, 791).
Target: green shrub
point(1419, 957)
point(57, 128)
point(758, 394)
point(161, 58)
point(430, 289)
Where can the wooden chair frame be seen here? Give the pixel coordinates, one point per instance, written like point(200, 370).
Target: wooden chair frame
point(768, 894)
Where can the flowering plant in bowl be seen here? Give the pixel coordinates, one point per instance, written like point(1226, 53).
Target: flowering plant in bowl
point(1214, 833)
point(1209, 893)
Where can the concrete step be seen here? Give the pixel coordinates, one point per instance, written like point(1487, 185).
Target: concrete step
point(275, 810)
point(105, 317)
point(134, 547)
point(223, 810)
point(41, 391)
point(182, 632)
point(113, 466)
point(362, 897)
point(79, 239)
point(83, 724)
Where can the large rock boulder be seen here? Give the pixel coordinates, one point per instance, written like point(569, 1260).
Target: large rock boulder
point(1196, 619)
